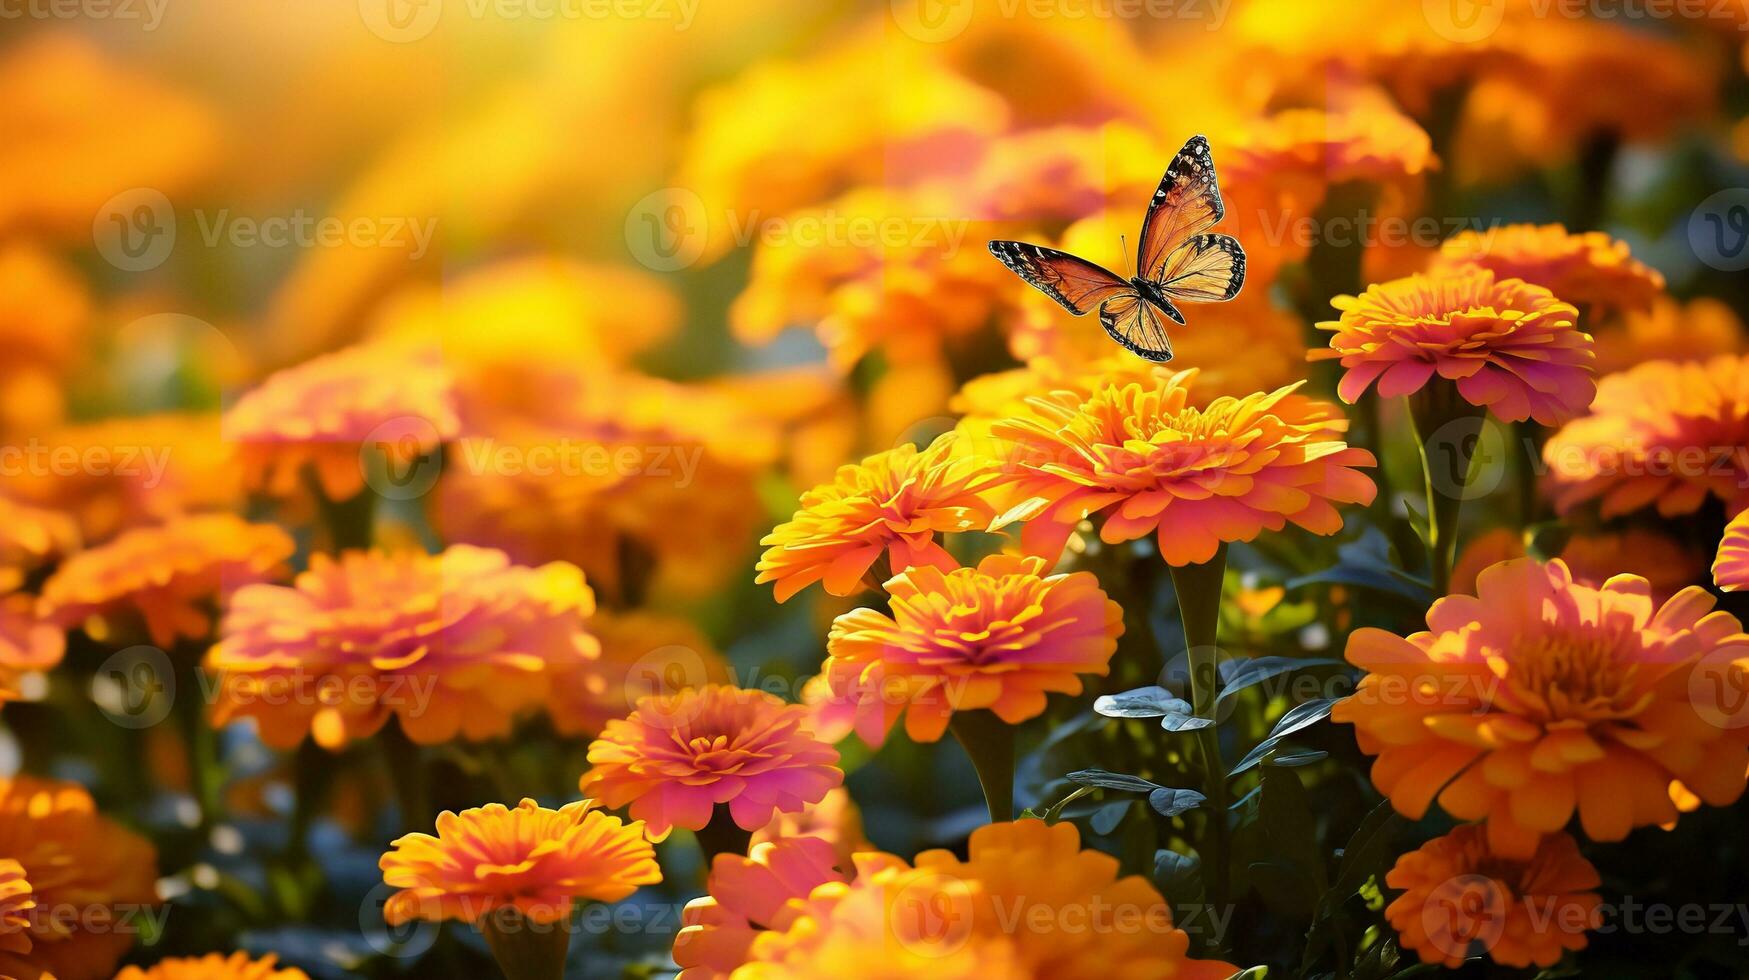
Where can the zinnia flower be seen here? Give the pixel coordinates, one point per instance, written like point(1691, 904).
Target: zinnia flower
point(1731, 567)
point(1662, 433)
point(1699, 330)
point(1460, 899)
point(674, 758)
point(1025, 904)
point(1593, 558)
point(890, 504)
point(76, 861)
point(29, 537)
point(1539, 698)
point(452, 644)
point(1197, 476)
point(748, 894)
point(214, 966)
point(835, 820)
point(1000, 636)
point(393, 398)
point(642, 652)
point(1585, 268)
point(535, 860)
point(168, 574)
point(16, 904)
point(1510, 346)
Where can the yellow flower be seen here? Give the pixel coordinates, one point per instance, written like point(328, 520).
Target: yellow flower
point(214, 966)
point(535, 860)
point(1461, 899)
point(1538, 698)
point(1509, 346)
point(90, 876)
point(1000, 636)
point(1585, 269)
point(1698, 330)
point(456, 644)
point(890, 505)
point(1731, 567)
point(168, 575)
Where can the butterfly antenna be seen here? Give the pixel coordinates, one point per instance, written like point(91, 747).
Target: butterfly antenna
point(1128, 263)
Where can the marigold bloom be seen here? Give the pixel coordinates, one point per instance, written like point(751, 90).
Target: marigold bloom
point(1584, 268)
point(75, 859)
point(1000, 636)
point(16, 904)
point(1593, 558)
point(1698, 330)
point(26, 643)
point(1731, 567)
point(1662, 433)
point(44, 312)
point(1196, 476)
point(456, 644)
point(392, 397)
point(29, 537)
point(167, 574)
point(748, 894)
point(642, 653)
point(214, 966)
point(835, 820)
point(891, 504)
point(1016, 907)
point(1459, 895)
point(1539, 697)
point(530, 858)
point(675, 757)
point(1510, 346)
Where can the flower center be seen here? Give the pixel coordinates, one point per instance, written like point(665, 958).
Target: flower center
point(1574, 677)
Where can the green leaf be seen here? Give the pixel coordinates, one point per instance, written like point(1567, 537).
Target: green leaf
point(1171, 802)
point(1291, 830)
point(1112, 780)
point(1255, 973)
point(1055, 813)
point(1176, 722)
point(1109, 815)
point(1289, 760)
point(1300, 716)
point(1366, 851)
point(1143, 702)
point(1255, 670)
point(1178, 876)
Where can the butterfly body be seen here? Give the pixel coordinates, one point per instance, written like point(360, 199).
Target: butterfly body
point(1176, 260)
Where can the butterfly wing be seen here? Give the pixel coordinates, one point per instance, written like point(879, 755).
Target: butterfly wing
point(1133, 322)
point(1186, 204)
point(1205, 269)
point(1077, 284)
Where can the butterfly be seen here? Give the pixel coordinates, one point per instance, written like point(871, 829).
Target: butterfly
point(1176, 259)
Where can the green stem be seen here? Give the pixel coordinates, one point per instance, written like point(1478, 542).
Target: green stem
point(1199, 606)
point(1432, 414)
point(526, 950)
point(408, 774)
point(722, 836)
point(990, 742)
point(206, 778)
point(349, 522)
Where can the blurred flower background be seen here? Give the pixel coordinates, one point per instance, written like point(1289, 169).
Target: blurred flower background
point(412, 407)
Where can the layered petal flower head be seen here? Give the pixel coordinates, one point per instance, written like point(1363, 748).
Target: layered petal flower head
point(74, 859)
point(27, 643)
point(1662, 434)
point(1460, 899)
point(16, 904)
point(390, 397)
point(1698, 330)
point(1731, 567)
point(1020, 905)
point(1000, 636)
point(169, 575)
point(891, 504)
point(1540, 698)
point(765, 889)
point(674, 758)
point(642, 652)
point(1593, 557)
point(1197, 476)
point(456, 644)
point(535, 860)
point(214, 966)
point(1511, 347)
point(29, 538)
point(1584, 268)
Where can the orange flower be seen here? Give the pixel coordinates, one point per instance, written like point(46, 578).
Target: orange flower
point(89, 875)
point(1538, 698)
point(1592, 558)
point(1662, 433)
point(456, 644)
point(835, 820)
point(1025, 904)
point(44, 312)
point(766, 889)
point(891, 504)
point(1198, 477)
point(1731, 567)
point(1000, 636)
point(29, 537)
point(1586, 268)
point(26, 643)
point(214, 966)
point(642, 653)
point(321, 414)
point(16, 905)
point(1510, 346)
point(674, 758)
point(1460, 899)
point(167, 574)
point(1699, 330)
point(535, 860)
